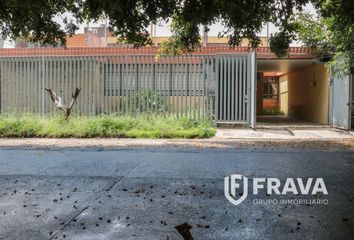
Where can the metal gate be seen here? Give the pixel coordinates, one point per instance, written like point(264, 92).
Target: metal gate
point(236, 92)
point(340, 101)
point(220, 87)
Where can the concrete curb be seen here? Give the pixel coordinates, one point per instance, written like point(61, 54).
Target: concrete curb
point(214, 143)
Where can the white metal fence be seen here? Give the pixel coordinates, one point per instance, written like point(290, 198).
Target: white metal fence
point(194, 86)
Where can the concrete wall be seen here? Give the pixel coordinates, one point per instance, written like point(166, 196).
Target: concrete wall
point(304, 94)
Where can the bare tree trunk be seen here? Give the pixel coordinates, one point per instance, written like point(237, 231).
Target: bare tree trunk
point(59, 103)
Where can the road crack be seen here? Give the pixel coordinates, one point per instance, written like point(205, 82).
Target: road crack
point(85, 207)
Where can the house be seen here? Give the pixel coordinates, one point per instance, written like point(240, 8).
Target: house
point(231, 85)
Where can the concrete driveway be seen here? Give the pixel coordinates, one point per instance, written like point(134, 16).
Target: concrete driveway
point(145, 193)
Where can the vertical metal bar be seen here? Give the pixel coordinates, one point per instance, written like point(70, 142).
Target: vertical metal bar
point(80, 70)
point(147, 83)
point(217, 77)
point(2, 80)
point(177, 81)
point(143, 89)
point(96, 74)
point(25, 82)
point(165, 79)
point(124, 87)
point(136, 83)
point(3, 84)
point(228, 89)
point(240, 97)
point(172, 80)
point(196, 73)
point(47, 83)
point(6, 82)
point(233, 88)
point(109, 84)
point(244, 75)
point(159, 86)
point(29, 86)
point(114, 84)
point(86, 86)
point(20, 81)
point(54, 70)
point(7, 91)
point(44, 76)
point(183, 66)
point(13, 100)
point(8, 85)
point(221, 86)
point(236, 89)
point(200, 73)
point(170, 74)
point(35, 84)
point(17, 86)
point(151, 82)
point(192, 78)
point(119, 81)
point(65, 92)
point(187, 66)
point(130, 84)
point(253, 79)
point(62, 75)
point(6, 64)
point(89, 86)
point(69, 79)
point(202, 89)
point(75, 76)
point(47, 105)
point(101, 62)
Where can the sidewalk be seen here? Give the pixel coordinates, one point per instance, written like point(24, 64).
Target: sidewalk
point(325, 133)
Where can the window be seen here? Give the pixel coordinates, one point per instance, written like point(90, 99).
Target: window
point(271, 87)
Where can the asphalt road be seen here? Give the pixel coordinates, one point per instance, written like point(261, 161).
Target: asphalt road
point(145, 193)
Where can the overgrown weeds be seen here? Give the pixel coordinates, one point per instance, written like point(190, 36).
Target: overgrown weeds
point(141, 126)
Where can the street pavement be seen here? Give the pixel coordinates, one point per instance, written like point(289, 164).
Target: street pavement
point(145, 193)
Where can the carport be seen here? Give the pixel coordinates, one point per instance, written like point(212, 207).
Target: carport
point(292, 92)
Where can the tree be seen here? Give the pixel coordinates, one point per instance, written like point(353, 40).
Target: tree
point(330, 33)
point(130, 18)
point(36, 20)
point(339, 18)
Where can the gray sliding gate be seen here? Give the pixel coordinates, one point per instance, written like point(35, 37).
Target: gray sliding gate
point(220, 87)
point(236, 89)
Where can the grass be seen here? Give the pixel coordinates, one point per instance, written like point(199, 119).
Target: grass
point(107, 126)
